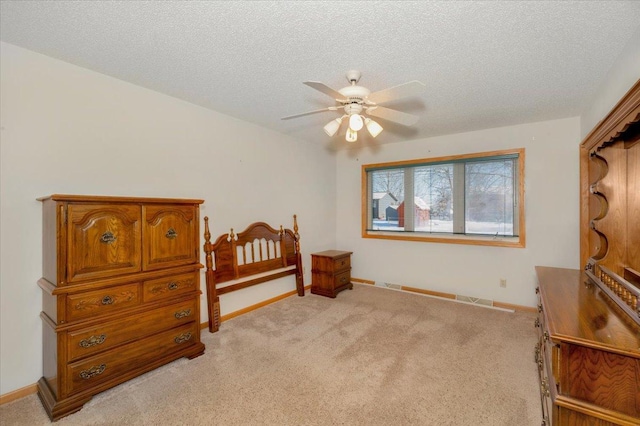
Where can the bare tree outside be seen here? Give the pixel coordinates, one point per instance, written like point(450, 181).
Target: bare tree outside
point(434, 185)
point(470, 197)
point(389, 181)
point(489, 198)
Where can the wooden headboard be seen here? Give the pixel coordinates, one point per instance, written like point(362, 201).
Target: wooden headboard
point(258, 254)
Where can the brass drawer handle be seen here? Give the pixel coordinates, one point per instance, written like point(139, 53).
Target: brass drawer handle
point(184, 337)
point(173, 285)
point(107, 300)
point(93, 371)
point(182, 314)
point(171, 234)
point(92, 341)
point(107, 237)
point(343, 279)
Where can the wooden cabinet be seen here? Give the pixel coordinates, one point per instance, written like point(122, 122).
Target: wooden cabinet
point(121, 292)
point(588, 353)
point(330, 272)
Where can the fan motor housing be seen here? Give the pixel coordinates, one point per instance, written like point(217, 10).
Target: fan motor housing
point(355, 93)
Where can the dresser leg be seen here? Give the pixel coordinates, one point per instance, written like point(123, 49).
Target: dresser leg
point(58, 409)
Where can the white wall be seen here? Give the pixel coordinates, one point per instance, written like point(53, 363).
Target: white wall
point(624, 73)
point(69, 130)
point(551, 209)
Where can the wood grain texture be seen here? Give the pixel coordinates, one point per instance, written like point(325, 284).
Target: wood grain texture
point(619, 125)
point(103, 240)
point(254, 256)
point(111, 312)
point(633, 207)
point(613, 225)
point(330, 272)
point(605, 379)
point(593, 351)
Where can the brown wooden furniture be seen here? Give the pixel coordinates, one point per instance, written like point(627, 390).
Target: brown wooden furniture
point(588, 353)
point(610, 204)
point(253, 256)
point(121, 292)
point(330, 272)
point(589, 349)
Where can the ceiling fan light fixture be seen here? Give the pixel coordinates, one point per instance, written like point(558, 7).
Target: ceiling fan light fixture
point(355, 122)
point(332, 127)
point(373, 127)
point(352, 135)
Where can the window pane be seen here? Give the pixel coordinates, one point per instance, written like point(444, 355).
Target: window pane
point(489, 200)
point(388, 193)
point(433, 200)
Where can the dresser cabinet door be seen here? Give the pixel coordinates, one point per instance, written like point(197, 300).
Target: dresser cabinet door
point(170, 232)
point(103, 241)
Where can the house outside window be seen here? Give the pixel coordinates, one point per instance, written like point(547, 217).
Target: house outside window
point(468, 199)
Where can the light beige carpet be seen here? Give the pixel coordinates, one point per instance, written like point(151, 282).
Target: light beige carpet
point(371, 356)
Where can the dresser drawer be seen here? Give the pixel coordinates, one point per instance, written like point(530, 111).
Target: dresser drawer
point(113, 364)
point(91, 340)
point(170, 286)
point(342, 264)
point(342, 279)
point(100, 302)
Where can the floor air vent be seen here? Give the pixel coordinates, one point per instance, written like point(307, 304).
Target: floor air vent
point(388, 285)
point(474, 300)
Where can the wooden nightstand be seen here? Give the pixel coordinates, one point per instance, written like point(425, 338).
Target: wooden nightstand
point(330, 272)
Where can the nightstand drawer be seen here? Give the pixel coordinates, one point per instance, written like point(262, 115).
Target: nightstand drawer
point(342, 279)
point(342, 264)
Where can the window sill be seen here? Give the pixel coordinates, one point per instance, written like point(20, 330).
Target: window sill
point(479, 240)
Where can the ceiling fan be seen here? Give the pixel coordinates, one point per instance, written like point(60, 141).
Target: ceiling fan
point(357, 100)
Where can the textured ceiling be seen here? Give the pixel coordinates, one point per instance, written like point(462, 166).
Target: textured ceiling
point(485, 64)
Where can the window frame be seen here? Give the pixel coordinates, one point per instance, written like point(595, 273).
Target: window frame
point(472, 239)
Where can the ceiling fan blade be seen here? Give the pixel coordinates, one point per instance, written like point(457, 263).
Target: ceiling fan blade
point(393, 115)
point(311, 112)
point(321, 87)
point(396, 92)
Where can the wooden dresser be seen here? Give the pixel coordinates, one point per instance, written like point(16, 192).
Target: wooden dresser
point(330, 272)
point(588, 353)
point(589, 349)
point(121, 292)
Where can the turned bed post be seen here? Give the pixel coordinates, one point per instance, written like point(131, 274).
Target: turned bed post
point(213, 301)
point(299, 272)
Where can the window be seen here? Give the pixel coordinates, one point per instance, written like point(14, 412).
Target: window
point(466, 199)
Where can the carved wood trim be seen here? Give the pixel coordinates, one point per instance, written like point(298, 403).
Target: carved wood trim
point(625, 113)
